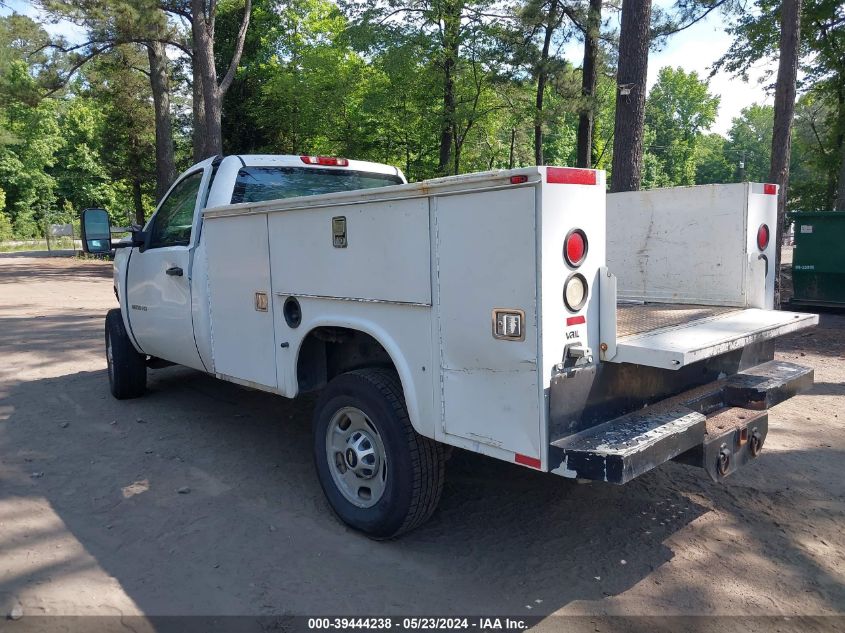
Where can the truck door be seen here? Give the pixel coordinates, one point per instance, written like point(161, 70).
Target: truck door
point(158, 285)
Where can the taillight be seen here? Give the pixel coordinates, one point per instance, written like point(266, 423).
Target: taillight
point(763, 237)
point(575, 248)
point(575, 292)
point(330, 161)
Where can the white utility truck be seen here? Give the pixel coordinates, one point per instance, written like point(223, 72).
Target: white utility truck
point(522, 314)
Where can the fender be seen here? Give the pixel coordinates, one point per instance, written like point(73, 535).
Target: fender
point(121, 271)
point(409, 386)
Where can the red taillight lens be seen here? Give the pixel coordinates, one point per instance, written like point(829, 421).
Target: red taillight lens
point(770, 190)
point(763, 237)
point(325, 160)
point(575, 247)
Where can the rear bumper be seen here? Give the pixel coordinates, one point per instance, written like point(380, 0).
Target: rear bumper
point(719, 427)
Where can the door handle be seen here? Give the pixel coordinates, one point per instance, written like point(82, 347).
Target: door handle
point(174, 271)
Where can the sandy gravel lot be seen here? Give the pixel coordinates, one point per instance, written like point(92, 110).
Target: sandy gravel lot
point(91, 521)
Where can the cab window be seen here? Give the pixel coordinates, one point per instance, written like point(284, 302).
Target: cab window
point(175, 217)
point(256, 184)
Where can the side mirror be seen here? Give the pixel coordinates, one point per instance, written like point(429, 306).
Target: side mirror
point(96, 231)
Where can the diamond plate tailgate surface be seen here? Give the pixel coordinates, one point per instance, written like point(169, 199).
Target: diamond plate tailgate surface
point(636, 318)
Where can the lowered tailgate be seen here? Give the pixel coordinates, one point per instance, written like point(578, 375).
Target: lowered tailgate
point(680, 344)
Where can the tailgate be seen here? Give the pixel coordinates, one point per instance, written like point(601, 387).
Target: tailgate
point(676, 346)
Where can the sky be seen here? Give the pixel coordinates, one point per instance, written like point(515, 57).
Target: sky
point(695, 48)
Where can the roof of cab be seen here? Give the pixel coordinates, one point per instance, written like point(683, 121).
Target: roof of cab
point(295, 160)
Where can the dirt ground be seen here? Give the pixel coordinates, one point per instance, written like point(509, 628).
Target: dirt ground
point(91, 522)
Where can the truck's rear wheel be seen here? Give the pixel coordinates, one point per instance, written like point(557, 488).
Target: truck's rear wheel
point(127, 368)
point(379, 475)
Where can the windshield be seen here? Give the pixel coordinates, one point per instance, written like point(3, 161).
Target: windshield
point(256, 184)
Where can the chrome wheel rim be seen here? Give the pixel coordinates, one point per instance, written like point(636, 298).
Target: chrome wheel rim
point(356, 457)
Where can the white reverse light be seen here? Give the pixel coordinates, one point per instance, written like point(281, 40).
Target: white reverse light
point(575, 292)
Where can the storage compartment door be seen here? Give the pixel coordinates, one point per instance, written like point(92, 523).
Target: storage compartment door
point(242, 336)
point(486, 259)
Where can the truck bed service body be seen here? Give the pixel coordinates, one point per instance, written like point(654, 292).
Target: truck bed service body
point(523, 314)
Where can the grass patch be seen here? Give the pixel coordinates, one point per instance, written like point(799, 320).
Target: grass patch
point(57, 244)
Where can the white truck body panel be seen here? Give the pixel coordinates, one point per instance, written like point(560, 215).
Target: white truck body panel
point(488, 387)
point(242, 337)
point(692, 244)
point(386, 258)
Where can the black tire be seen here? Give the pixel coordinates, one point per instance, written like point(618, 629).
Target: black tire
point(413, 464)
point(127, 368)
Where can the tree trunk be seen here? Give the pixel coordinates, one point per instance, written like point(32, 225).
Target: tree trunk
point(840, 190)
point(199, 135)
point(458, 145)
point(451, 50)
point(584, 154)
point(839, 205)
point(785, 89)
point(634, 37)
point(160, 85)
point(202, 30)
point(138, 200)
point(542, 77)
point(513, 143)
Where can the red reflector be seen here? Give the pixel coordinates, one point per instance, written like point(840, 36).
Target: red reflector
point(518, 180)
point(771, 190)
point(575, 247)
point(763, 237)
point(533, 462)
point(325, 160)
point(576, 320)
point(570, 176)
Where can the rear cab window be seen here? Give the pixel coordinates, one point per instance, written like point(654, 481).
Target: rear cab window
point(257, 184)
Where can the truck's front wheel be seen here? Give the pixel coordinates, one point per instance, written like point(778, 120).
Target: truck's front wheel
point(127, 368)
point(379, 475)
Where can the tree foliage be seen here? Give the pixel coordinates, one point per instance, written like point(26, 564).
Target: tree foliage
point(678, 110)
point(433, 86)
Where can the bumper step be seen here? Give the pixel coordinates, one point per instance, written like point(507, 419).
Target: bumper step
point(624, 448)
point(766, 385)
point(699, 427)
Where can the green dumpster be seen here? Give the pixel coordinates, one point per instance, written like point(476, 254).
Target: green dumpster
point(818, 262)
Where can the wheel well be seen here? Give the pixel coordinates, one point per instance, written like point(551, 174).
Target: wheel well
point(329, 351)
